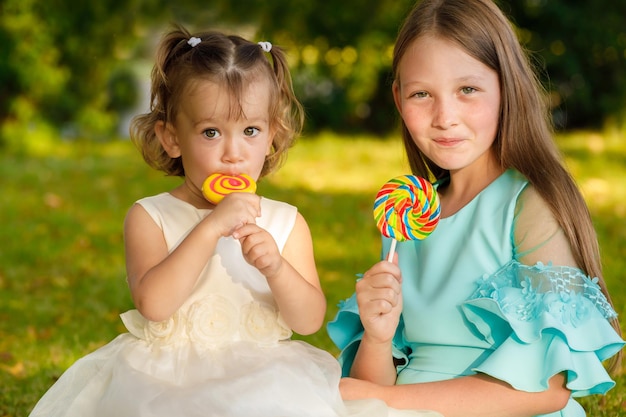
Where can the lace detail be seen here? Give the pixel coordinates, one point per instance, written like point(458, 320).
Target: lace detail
point(561, 291)
point(213, 322)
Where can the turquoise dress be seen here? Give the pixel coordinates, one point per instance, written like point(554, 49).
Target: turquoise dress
point(472, 307)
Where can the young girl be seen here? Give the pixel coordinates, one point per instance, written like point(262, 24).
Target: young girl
point(502, 310)
point(218, 288)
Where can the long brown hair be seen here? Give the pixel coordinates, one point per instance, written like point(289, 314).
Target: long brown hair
point(525, 136)
point(229, 60)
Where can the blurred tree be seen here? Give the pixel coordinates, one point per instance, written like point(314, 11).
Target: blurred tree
point(29, 71)
point(582, 45)
point(57, 57)
point(70, 65)
point(93, 40)
point(342, 54)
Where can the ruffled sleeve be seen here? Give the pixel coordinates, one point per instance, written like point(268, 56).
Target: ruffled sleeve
point(346, 332)
point(543, 320)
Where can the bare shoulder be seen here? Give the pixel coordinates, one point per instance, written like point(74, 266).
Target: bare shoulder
point(135, 215)
point(537, 233)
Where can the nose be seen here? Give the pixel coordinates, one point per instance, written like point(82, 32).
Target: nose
point(232, 151)
point(444, 113)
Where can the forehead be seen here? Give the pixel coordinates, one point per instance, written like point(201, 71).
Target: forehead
point(436, 56)
point(210, 99)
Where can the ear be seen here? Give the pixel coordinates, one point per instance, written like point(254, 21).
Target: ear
point(167, 136)
point(395, 89)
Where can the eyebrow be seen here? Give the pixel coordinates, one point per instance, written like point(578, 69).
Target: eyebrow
point(471, 78)
point(250, 120)
point(459, 80)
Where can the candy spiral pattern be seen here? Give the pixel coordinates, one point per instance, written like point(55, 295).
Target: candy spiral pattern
point(217, 186)
point(407, 208)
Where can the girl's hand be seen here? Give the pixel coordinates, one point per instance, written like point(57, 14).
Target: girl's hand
point(379, 297)
point(235, 211)
point(259, 249)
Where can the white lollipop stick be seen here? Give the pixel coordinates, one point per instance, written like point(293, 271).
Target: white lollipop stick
point(392, 250)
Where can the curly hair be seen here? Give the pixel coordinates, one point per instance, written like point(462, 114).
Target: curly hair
point(228, 60)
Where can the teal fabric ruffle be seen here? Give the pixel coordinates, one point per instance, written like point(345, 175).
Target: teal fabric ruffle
point(543, 320)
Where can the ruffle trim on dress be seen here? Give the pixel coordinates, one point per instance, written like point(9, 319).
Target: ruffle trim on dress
point(544, 320)
point(213, 322)
point(346, 332)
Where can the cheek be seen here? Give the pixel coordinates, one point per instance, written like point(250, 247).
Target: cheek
point(487, 118)
point(412, 115)
point(416, 120)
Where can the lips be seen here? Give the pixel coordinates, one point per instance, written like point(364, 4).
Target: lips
point(447, 141)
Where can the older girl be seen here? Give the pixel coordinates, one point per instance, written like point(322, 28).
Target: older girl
point(502, 310)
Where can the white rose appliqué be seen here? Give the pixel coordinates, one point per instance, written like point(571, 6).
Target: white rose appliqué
point(213, 321)
point(262, 324)
point(164, 332)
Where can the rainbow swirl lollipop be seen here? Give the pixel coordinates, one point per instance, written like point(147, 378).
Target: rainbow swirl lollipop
point(217, 186)
point(406, 208)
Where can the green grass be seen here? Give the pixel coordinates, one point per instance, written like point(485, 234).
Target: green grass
point(62, 280)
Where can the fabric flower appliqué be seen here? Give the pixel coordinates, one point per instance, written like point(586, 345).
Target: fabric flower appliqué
point(261, 323)
point(528, 292)
point(213, 321)
point(571, 308)
point(164, 332)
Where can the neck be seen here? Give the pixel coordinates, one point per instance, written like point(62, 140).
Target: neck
point(465, 184)
point(191, 194)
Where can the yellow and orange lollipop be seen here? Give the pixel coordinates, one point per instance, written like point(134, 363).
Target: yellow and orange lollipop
point(217, 186)
point(406, 208)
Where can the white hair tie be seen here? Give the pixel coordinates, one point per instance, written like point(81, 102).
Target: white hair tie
point(193, 41)
point(266, 46)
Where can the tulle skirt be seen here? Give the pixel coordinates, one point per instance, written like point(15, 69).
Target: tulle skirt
point(129, 378)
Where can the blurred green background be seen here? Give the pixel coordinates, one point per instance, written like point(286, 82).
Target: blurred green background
point(72, 74)
point(81, 67)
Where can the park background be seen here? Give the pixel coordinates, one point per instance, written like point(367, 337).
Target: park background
point(73, 73)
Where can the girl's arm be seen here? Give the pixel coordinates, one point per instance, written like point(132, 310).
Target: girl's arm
point(159, 281)
point(477, 395)
point(379, 297)
point(292, 277)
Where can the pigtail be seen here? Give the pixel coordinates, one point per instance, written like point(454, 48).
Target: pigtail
point(289, 111)
point(228, 60)
point(142, 129)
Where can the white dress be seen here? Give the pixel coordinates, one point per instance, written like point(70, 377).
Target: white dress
point(225, 353)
